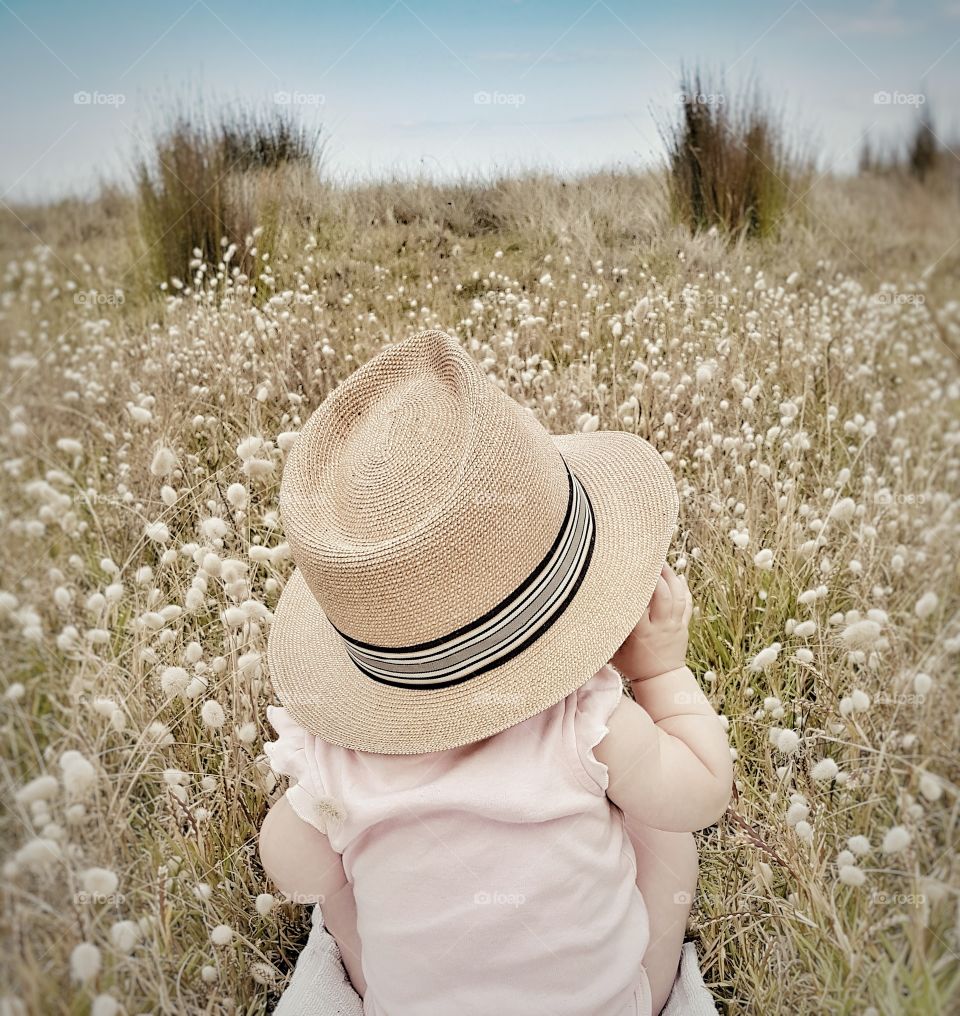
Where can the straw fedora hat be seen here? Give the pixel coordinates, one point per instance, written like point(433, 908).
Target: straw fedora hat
point(458, 569)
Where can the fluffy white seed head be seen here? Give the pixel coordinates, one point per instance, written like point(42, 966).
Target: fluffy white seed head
point(930, 786)
point(173, 681)
point(84, 962)
point(124, 935)
point(41, 788)
point(765, 658)
point(825, 770)
point(248, 665)
point(104, 1005)
point(157, 532)
point(264, 903)
point(39, 854)
point(787, 741)
point(164, 461)
point(844, 509)
point(797, 812)
point(922, 684)
point(896, 839)
point(763, 559)
point(862, 634)
point(212, 714)
point(78, 774)
point(237, 496)
point(99, 881)
point(926, 605)
point(851, 875)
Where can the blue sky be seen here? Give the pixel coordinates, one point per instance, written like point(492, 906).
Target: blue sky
point(408, 86)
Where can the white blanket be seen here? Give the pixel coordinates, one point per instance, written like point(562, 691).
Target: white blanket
point(319, 986)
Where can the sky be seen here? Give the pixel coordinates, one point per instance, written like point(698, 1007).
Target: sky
point(406, 87)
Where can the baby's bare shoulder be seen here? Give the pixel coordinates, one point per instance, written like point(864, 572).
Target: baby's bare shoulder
point(632, 740)
point(298, 858)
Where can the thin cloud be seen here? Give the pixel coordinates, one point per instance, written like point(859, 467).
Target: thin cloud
point(511, 118)
point(569, 56)
point(882, 18)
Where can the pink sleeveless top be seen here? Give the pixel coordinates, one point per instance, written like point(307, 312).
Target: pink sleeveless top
point(492, 878)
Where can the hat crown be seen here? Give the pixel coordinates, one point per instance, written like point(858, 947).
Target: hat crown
point(419, 495)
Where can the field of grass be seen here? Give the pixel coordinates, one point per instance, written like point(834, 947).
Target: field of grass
point(804, 390)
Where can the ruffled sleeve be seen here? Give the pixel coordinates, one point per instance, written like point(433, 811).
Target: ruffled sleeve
point(289, 756)
point(596, 701)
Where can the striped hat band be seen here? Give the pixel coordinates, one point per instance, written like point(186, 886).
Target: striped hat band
point(503, 631)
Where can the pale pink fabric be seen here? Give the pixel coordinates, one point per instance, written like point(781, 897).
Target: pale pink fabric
point(493, 878)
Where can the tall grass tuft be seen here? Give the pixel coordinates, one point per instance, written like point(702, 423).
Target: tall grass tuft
point(207, 183)
point(729, 164)
point(923, 153)
point(923, 156)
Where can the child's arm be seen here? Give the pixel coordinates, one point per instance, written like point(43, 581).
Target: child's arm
point(667, 756)
point(300, 861)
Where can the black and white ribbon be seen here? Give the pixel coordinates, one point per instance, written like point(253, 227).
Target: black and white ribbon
point(502, 632)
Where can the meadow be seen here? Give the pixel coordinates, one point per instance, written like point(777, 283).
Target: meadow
point(804, 388)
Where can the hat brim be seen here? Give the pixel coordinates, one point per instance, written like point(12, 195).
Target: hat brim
point(635, 504)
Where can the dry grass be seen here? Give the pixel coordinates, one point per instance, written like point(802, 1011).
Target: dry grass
point(805, 392)
point(209, 182)
point(730, 162)
point(923, 153)
point(925, 157)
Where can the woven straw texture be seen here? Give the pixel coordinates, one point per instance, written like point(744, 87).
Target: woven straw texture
point(417, 497)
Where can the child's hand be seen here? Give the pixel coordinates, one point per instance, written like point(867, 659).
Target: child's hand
point(659, 641)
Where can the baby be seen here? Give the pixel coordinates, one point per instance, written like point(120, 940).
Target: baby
point(490, 824)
